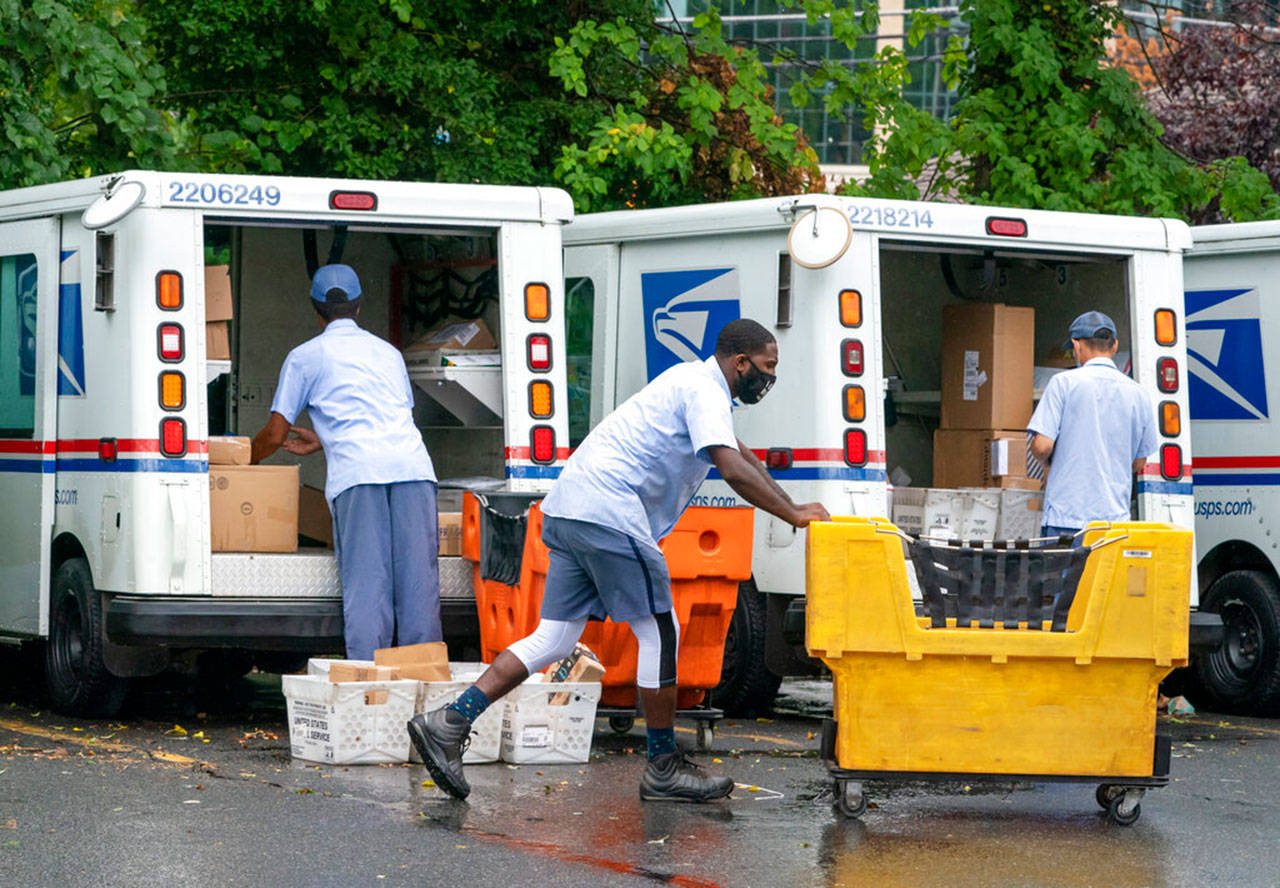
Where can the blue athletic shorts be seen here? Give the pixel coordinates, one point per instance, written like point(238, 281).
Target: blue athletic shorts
point(596, 571)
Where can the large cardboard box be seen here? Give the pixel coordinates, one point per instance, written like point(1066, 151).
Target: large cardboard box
point(981, 458)
point(314, 518)
point(450, 529)
point(229, 450)
point(217, 341)
point(217, 293)
point(254, 508)
point(425, 662)
point(988, 361)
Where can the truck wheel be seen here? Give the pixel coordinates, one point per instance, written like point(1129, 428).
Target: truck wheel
point(1243, 675)
point(77, 679)
point(747, 687)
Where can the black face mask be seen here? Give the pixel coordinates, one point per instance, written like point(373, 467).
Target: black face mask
point(754, 384)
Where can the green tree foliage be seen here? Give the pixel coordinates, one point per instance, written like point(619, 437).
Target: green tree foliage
point(78, 89)
point(684, 118)
point(1042, 121)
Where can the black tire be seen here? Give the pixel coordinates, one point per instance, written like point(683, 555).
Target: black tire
point(1114, 815)
point(77, 678)
point(1243, 675)
point(747, 687)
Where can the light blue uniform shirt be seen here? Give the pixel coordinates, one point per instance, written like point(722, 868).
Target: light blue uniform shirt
point(356, 390)
point(1100, 421)
point(637, 471)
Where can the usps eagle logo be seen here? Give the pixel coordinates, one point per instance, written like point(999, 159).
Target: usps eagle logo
point(684, 312)
point(1224, 355)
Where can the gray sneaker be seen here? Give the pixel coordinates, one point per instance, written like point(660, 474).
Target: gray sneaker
point(440, 739)
point(674, 778)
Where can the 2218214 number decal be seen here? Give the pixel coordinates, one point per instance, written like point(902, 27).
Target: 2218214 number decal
point(889, 217)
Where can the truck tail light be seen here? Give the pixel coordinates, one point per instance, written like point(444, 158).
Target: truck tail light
point(353, 200)
point(169, 290)
point(1167, 375)
point(173, 437)
point(855, 403)
point(173, 395)
point(778, 458)
point(851, 357)
point(537, 302)
point(542, 442)
point(1006, 227)
point(855, 447)
point(539, 352)
point(108, 449)
point(1171, 461)
point(169, 343)
point(540, 399)
point(851, 308)
point(1170, 419)
point(1166, 327)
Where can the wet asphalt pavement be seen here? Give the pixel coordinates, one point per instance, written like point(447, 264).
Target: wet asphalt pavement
point(194, 785)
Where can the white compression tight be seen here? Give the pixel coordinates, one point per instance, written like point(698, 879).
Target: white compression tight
point(658, 637)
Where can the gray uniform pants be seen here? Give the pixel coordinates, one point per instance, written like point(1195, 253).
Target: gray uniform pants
point(385, 537)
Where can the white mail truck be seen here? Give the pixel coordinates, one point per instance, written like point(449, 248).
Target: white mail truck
point(112, 382)
point(1232, 280)
point(854, 290)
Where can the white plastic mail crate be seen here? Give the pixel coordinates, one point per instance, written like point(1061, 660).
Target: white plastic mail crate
point(536, 732)
point(358, 722)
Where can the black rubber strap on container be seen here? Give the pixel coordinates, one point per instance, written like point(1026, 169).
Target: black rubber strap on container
point(501, 544)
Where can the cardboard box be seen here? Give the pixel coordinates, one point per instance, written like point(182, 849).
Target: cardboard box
point(253, 508)
point(217, 341)
point(229, 450)
point(341, 672)
point(981, 458)
point(217, 293)
point(462, 336)
point(988, 359)
point(314, 518)
point(425, 662)
point(579, 666)
point(450, 529)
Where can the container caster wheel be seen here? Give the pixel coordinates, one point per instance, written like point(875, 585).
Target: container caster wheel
point(1124, 809)
point(621, 724)
point(1105, 793)
point(850, 800)
point(706, 736)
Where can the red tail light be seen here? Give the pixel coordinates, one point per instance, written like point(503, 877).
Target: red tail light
point(1006, 227)
point(108, 450)
point(169, 343)
point(851, 357)
point(1171, 461)
point(1167, 375)
point(778, 458)
point(855, 447)
point(353, 200)
point(539, 352)
point(543, 444)
point(173, 437)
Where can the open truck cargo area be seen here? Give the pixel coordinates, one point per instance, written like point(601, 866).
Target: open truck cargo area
point(914, 340)
point(156, 310)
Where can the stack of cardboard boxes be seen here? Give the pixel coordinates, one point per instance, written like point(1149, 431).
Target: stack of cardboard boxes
point(217, 313)
point(981, 484)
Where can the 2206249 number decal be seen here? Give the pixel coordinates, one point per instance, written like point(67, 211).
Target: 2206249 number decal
point(225, 195)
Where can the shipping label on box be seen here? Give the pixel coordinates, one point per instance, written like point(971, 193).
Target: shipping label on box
point(988, 360)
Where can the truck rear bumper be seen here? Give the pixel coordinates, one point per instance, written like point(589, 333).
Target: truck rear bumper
point(296, 624)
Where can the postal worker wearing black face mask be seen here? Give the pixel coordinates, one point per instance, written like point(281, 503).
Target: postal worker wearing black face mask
point(621, 492)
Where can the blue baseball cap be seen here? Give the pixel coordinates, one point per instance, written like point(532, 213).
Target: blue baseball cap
point(335, 283)
point(1092, 325)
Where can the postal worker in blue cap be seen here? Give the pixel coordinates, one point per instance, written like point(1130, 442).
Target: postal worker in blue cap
point(381, 485)
point(1094, 428)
